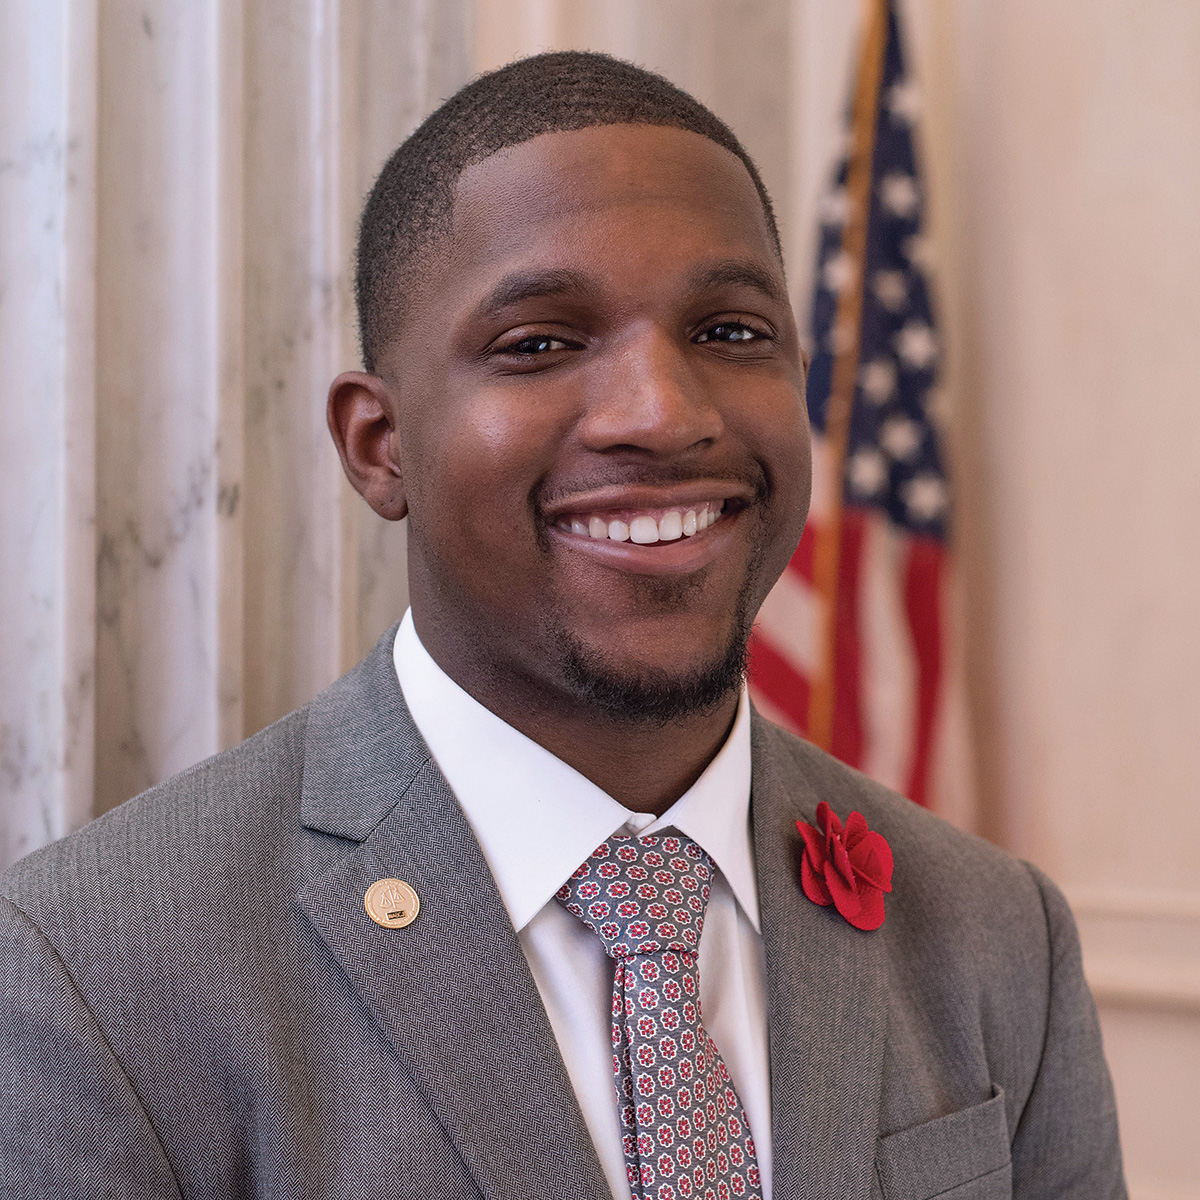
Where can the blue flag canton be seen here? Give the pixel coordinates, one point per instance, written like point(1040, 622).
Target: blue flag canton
point(894, 460)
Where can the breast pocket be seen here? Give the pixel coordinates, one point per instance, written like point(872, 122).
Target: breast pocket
point(964, 1156)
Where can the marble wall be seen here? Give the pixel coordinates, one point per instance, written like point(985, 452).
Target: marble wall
point(181, 561)
point(47, 421)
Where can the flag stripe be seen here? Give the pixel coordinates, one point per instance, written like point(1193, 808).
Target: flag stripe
point(922, 597)
point(801, 562)
point(774, 678)
point(847, 739)
point(790, 620)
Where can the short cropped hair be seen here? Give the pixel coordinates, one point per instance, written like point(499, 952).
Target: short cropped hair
point(410, 205)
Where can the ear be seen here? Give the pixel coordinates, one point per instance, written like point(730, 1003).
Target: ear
point(362, 417)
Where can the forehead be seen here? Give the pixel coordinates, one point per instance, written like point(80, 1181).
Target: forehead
point(590, 191)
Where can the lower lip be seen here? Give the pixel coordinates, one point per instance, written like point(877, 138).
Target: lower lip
point(681, 557)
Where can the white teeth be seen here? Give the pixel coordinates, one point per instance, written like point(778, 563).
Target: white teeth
point(643, 530)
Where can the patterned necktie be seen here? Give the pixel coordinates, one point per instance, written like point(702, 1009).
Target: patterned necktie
point(683, 1128)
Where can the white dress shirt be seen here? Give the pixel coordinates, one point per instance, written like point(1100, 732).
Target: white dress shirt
point(536, 819)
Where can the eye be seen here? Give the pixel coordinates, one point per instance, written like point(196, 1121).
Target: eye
point(729, 331)
point(538, 344)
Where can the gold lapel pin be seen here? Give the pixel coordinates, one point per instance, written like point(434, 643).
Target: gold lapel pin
point(392, 903)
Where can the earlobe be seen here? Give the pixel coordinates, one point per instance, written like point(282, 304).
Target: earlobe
point(362, 415)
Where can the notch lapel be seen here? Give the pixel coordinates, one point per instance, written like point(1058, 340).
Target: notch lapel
point(453, 990)
point(827, 1003)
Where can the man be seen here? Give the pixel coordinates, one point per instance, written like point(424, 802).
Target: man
point(520, 906)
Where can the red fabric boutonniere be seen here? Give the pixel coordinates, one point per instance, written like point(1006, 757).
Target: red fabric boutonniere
point(847, 866)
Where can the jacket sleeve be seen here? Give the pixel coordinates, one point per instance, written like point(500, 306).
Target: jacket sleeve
point(1066, 1145)
point(70, 1122)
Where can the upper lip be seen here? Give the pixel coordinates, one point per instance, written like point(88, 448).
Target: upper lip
point(616, 497)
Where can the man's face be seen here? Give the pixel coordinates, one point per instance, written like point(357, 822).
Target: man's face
point(602, 362)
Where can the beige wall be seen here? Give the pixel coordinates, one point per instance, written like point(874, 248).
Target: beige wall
point(1063, 153)
point(180, 563)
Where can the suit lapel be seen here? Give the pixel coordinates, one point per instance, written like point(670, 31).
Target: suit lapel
point(827, 1001)
point(453, 990)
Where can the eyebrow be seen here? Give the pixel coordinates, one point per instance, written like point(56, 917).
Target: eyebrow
point(735, 273)
point(532, 285)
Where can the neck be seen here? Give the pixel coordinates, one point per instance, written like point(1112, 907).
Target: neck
point(644, 766)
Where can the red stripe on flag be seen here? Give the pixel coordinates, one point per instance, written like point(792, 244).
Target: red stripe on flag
point(778, 680)
point(801, 562)
point(923, 606)
point(847, 740)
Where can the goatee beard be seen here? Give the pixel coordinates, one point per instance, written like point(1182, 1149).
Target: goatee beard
point(656, 698)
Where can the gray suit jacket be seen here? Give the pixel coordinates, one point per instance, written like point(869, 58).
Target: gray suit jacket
point(194, 1001)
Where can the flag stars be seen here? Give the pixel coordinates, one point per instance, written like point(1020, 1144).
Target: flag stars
point(899, 194)
point(904, 102)
point(878, 380)
point(917, 345)
point(835, 207)
point(900, 437)
point(925, 497)
point(839, 271)
point(891, 289)
point(918, 251)
point(868, 471)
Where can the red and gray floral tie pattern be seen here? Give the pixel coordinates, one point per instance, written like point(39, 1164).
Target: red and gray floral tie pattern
point(683, 1127)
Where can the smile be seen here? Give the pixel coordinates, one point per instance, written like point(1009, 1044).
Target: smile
point(644, 527)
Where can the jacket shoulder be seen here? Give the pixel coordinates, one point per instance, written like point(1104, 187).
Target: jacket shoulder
point(191, 823)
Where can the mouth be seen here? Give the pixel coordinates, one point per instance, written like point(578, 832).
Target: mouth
point(644, 527)
point(650, 531)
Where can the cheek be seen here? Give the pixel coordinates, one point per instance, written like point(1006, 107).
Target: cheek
point(777, 430)
point(782, 443)
point(479, 466)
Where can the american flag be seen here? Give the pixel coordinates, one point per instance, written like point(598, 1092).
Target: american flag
point(850, 647)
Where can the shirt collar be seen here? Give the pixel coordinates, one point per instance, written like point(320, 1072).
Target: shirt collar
point(536, 818)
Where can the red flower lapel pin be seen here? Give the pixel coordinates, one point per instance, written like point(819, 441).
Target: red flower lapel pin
point(848, 866)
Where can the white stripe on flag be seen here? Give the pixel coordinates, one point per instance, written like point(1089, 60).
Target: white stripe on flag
point(788, 620)
point(822, 481)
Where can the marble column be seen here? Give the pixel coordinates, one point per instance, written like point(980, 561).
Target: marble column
point(47, 416)
point(168, 336)
point(180, 560)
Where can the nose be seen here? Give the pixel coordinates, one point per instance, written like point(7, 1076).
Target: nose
point(651, 401)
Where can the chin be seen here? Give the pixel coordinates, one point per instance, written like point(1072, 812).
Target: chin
point(656, 691)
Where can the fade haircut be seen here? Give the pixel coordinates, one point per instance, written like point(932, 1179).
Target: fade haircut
point(409, 207)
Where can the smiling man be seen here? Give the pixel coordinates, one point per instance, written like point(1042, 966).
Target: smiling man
point(521, 906)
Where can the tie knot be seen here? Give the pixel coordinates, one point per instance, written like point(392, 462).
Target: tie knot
point(642, 895)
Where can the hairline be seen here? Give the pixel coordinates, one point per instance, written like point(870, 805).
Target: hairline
point(434, 239)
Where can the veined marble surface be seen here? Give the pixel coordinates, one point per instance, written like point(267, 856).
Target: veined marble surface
point(180, 559)
point(47, 404)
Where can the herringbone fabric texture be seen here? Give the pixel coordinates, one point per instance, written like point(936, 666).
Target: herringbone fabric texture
point(683, 1128)
point(195, 1003)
